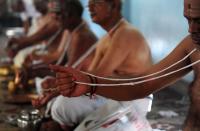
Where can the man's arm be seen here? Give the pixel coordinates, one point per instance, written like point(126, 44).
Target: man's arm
point(146, 88)
point(79, 45)
point(44, 33)
point(54, 56)
point(26, 26)
point(124, 93)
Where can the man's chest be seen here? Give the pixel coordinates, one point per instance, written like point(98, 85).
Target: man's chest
point(195, 59)
point(104, 45)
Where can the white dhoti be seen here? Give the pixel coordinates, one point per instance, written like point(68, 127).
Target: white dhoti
point(115, 116)
point(72, 111)
point(20, 57)
point(142, 106)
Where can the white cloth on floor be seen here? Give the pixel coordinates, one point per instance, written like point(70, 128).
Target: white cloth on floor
point(30, 11)
point(142, 106)
point(38, 85)
point(115, 116)
point(20, 57)
point(71, 111)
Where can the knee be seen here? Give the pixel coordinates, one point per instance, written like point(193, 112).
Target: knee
point(58, 111)
point(63, 111)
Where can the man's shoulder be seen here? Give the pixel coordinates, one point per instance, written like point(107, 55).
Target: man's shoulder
point(85, 33)
point(187, 43)
point(127, 31)
point(85, 36)
point(128, 34)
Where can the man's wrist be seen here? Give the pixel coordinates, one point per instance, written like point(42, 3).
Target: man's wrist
point(88, 88)
point(93, 87)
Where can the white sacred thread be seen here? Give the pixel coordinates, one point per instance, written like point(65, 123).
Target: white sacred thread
point(63, 54)
point(143, 81)
point(68, 43)
point(93, 47)
point(142, 77)
point(84, 55)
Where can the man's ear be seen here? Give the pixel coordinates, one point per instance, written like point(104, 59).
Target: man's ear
point(115, 4)
point(110, 8)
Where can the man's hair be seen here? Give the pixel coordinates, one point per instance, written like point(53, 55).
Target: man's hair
point(41, 5)
point(17, 5)
point(117, 3)
point(13, 2)
point(73, 8)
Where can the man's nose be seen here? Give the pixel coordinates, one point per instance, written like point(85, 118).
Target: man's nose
point(91, 7)
point(193, 27)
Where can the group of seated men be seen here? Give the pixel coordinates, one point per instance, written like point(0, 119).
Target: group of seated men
point(63, 38)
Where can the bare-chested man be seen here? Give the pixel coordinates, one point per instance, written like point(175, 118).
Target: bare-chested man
point(188, 44)
point(26, 11)
point(123, 51)
point(47, 26)
point(77, 38)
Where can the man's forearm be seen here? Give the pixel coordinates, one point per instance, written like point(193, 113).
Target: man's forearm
point(122, 93)
point(137, 91)
point(43, 34)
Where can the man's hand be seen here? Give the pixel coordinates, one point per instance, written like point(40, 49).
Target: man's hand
point(12, 42)
point(21, 77)
point(11, 52)
point(47, 96)
point(33, 57)
point(40, 101)
point(65, 81)
point(12, 46)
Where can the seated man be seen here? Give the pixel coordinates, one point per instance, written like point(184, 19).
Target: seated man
point(80, 39)
point(114, 56)
point(46, 25)
point(27, 12)
point(162, 74)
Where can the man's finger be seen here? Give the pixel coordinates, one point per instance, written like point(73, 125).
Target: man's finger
point(67, 93)
point(63, 75)
point(65, 81)
point(57, 68)
point(66, 87)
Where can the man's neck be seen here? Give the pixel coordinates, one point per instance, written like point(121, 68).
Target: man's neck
point(75, 24)
point(111, 23)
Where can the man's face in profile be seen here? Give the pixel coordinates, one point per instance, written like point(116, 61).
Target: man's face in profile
point(99, 10)
point(192, 14)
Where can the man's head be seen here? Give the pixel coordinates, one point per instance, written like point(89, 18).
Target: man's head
point(103, 10)
point(192, 13)
point(17, 6)
point(72, 11)
point(41, 6)
point(54, 6)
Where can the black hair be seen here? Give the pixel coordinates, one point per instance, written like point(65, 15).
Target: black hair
point(112, 2)
point(73, 8)
point(41, 5)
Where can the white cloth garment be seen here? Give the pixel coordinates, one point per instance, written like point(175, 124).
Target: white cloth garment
point(115, 116)
point(20, 57)
point(30, 11)
point(71, 111)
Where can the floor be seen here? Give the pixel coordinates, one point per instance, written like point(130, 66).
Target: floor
point(169, 109)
